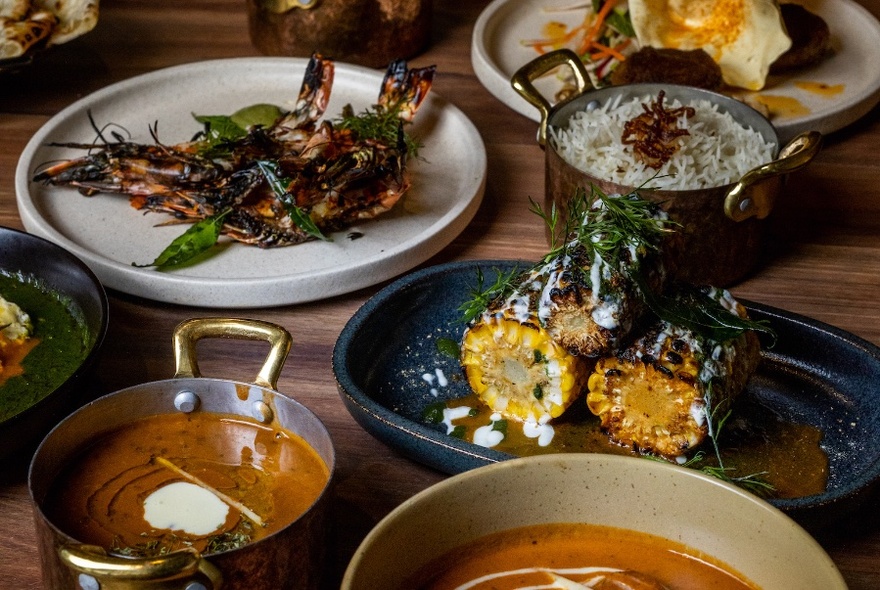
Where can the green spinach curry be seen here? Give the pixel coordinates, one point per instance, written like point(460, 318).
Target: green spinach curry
point(62, 343)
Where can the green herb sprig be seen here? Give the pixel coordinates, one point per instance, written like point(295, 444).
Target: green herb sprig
point(693, 309)
point(381, 123)
point(606, 229)
point(604, 224)
point(481, 295)
point(753, 482)
point(221, 131)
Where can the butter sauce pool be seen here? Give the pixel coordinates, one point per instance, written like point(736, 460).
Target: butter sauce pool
point(755, 440)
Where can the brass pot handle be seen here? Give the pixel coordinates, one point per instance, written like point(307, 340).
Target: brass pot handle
point(282, 6)
point(743, 202)
point(122, 573)
point(189, 332)
point(522, 82)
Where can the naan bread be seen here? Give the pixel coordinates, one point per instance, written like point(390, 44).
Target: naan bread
point(14, 9)
point(18, 36)
point(26, 24)
point(75, 17)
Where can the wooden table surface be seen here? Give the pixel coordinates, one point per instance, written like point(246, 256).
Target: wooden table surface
point(822, 259)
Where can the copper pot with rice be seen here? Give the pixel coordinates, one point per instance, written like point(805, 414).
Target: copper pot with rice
point(721, 223)
point(189, 482)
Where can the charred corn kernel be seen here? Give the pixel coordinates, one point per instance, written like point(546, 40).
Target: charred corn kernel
point(656, 396)
point(518, 370)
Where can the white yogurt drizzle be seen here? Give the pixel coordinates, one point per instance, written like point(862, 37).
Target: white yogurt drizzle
point(437, 375)
point(487, 436)
point(541, 430)
point(452, 414)
point(594, 576)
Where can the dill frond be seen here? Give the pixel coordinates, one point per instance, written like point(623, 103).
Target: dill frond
point(481, 296)
point(378, 123)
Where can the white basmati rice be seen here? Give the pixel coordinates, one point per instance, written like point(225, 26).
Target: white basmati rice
point(718, 150)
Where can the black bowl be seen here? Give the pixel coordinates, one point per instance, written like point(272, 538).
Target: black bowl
point(814, 374)
point(59, 272)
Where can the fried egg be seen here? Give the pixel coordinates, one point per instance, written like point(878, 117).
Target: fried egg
point(743, 36)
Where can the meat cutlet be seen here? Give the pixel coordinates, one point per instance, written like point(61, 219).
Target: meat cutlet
point(810, 39)
point(671, 66)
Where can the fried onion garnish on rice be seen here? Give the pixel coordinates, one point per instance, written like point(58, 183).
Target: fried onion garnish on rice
point(654, 133)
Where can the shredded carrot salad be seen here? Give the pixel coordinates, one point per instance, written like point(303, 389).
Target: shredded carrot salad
point(601, 40)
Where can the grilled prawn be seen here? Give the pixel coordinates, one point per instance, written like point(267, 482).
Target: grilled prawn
point(274, 185)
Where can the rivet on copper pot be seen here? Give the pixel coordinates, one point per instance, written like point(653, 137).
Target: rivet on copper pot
point(87, 582)
point(186, 401)
point(745, 204)
point(195, 586)
point(262, 412)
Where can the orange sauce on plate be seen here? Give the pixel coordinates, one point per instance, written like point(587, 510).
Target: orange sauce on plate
point(782, 106)
point(820, 88)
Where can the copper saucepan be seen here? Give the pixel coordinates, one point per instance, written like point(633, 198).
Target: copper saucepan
point(290, 558)
point(721, 226)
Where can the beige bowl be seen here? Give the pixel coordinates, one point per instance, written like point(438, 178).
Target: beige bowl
point(742, 531)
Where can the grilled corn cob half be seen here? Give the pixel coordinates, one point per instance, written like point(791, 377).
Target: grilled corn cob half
point(526, 355)
point(659, 394)
point(516, 368)
point(585, 304)
point(586, 297)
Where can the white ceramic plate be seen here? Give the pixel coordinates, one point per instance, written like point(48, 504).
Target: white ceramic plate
point(448, 181)
point(497, 53)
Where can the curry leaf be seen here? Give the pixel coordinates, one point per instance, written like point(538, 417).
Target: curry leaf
point(297, 215)
point(198, 238)
point(695, 310)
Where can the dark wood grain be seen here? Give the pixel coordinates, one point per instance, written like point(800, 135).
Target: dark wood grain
point(822, 259)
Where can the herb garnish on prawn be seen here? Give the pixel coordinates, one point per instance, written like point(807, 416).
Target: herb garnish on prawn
point(262, 176)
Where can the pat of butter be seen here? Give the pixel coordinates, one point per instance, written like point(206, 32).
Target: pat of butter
point(184, 506)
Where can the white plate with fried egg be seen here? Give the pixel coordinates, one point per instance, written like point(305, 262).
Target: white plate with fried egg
point(826, 97)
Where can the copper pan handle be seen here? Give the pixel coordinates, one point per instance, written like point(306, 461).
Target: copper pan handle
point(745, 199)
point(189, 332)
point(98, 570)
point(523, 82)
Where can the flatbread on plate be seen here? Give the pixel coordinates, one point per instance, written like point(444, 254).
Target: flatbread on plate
point(28, 24)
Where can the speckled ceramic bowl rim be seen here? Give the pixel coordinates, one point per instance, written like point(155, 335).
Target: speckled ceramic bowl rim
point(427, 445)
point(754, 515)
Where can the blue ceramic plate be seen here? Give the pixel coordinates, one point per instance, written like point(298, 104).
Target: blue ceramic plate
point(815, 374)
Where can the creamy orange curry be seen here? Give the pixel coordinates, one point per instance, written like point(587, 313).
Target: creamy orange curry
point(563, 555)
point(203, 480)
